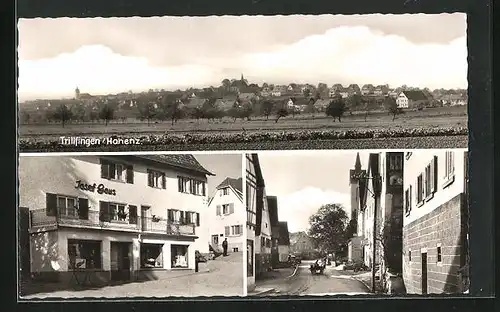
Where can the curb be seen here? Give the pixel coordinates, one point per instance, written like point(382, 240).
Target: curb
point(263, 292)
point(362, 282)
point(294, 272)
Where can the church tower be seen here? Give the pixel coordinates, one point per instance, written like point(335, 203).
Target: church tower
point(77, 93)
point(354, 184)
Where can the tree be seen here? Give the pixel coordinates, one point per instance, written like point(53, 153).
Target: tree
point(392, 107)
point(267, 108)
point(25, 117)
point(147, 110)
point(106, 113)
point(336, 108)
point(307, 92)
point(351, 229)
point(63, 114)
point(79, 112)
point(282, 112)
point(173, 110)
point(226, 83)
point(354, 102)
point(327, 228)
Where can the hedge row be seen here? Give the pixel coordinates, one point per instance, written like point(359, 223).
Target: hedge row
point(246, 137)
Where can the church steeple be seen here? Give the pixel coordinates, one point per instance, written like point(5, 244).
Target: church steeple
point(77, 93)
point(357, 165)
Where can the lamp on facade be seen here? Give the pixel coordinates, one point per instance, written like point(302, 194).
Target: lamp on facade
point(377, 183)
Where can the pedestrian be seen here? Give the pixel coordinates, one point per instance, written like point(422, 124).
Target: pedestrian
point(224, 247)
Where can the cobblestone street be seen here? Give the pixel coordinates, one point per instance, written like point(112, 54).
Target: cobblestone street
point(224, 278)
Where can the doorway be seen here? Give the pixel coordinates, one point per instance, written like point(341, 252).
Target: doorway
point(120, 261)
point(250, 255)
point(144, 218)
point(424, 273)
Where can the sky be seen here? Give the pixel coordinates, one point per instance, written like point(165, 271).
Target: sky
point(112, 55)
point(223, 166)
point(304, 181)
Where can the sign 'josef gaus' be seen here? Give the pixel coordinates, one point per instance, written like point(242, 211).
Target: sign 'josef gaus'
point(101, 189)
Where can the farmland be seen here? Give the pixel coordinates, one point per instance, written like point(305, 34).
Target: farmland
point(428, 120)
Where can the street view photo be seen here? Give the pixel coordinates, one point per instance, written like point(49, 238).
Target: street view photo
point(126, 226)
point(243, 82)
point(374, 222)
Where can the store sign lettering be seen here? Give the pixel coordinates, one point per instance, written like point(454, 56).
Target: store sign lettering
point(101, 189)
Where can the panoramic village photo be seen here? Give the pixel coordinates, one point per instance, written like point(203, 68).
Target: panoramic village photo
point(122, 226)
point(243, 82)
point(391, 222)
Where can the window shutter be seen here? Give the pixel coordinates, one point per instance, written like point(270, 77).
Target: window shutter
point(112, 171)
point(226, 230)
point(130, 175)
point(434, 169)
point(409, 199)
point(179, 184)
point(183, 217)
point(203, 189)
point(197, 219)
point(104, 214)
point(163, 181)
point(452, 162)
point(104, 169)
point(132, 214)
point(51, 204)
point(217, 211)
point(150, 178)
point(417, 195)
point(231, 208)
point(83, 208)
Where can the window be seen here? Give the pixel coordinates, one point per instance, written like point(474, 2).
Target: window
point(116, 171)
point(248, 194)
point(84, 254)
point(179, 256)
point(191, 186)
point(156, 179)
point(409, 255)
point(408, 200)
point(67, 206)
point(420, 190)
point(395, 162)
point(449, 171)
point(236, 230)
point(112, 212)
point(151, 255)
point(225, 191)
point(430, 180)
point(438, 254)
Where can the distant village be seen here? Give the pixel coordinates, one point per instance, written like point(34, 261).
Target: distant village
point(235, 98)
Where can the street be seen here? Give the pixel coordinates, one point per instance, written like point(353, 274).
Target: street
point(220, 277)
point(331, 282)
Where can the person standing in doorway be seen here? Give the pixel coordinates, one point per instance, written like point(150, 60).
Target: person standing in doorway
point(224, 247)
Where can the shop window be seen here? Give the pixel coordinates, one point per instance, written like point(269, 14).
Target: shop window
point(179, 256)
point(151, 256)
point(84, 254)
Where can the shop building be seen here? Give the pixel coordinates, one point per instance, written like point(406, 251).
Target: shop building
point(118, 217)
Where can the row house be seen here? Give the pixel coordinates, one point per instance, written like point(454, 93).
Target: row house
point(381, 90)
point(279, 90)
point(435, 232)
point(367, 89)
point(117, 217)
point(453, 100)
point(379, 189)
point(280, 240)
point(258, 222)
point(226, 213)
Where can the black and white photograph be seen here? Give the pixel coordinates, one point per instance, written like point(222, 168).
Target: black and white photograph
point(243, 82)
point(367, 222)
point(129, 225)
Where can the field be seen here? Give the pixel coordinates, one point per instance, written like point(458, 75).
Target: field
point(428, 121)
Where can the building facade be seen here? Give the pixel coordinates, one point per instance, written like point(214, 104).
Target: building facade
point(227, 215)
point(435, 233)
point(258, 222)
point(119, 217)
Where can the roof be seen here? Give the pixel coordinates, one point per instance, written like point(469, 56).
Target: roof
point(224, 104)
point(195, 102)
point(183, 161)
point(246, 96)
point(284, 236)
point(322, 103)
point(373, 170)
point(272, 205)
point(236, 184)
point(415, 95)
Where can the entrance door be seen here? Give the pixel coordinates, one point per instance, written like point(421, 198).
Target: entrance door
point(215, 240)
point(250, 256)
point(144, 218)
point(120, 261)
point(424, 273)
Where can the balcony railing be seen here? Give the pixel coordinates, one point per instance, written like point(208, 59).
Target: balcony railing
point(71, 217)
